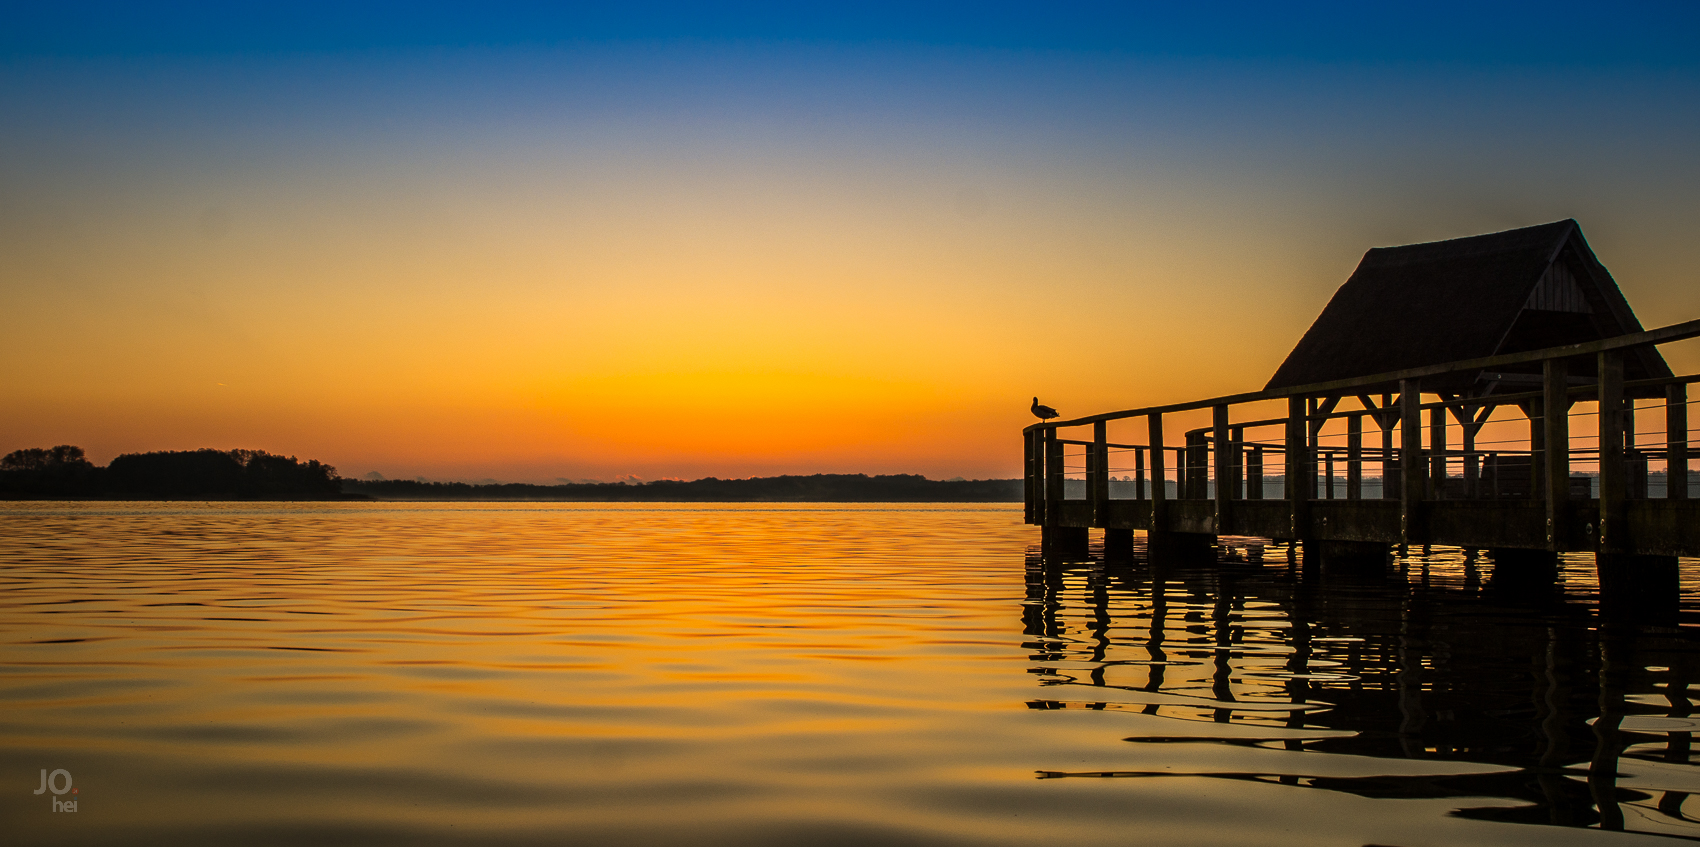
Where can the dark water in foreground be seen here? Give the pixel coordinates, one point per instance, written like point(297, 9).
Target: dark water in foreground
point(564, 673)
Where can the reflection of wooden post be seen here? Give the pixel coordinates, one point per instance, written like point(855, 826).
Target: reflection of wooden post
point(1224, 450)
point(1676, 442)
point(1297, 485)
point(1555, 408)
point(1099, 480)
point(1159, 485)
point(1053, 476)
point(1355, 457)
point(1410, 458)
point(1612, 487)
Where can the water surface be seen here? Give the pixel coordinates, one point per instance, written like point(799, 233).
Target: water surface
point(747, 674)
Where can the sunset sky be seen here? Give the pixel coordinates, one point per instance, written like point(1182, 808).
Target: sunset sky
point(530, 244)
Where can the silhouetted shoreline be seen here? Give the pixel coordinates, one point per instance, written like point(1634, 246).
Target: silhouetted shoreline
point(816, 488)
point(63, 473)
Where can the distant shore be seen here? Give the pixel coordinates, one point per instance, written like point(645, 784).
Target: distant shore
point(816, 488)
point(63, 473)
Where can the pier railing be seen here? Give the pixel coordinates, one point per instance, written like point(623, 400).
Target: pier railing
point(1355, 460)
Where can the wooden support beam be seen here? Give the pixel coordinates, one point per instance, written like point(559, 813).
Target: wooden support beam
point(1355, 457)
point(1223, 450)
point(1098, 474)
point(1555, 413)
point(1676, 442)
point(1053, 476)
point(1613, 491)
point(1299, 489)
point(1410, 460)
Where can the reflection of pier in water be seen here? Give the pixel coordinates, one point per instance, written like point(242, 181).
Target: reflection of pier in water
point(1456, 685)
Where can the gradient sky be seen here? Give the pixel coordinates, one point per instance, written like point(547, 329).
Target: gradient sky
point(537, 243)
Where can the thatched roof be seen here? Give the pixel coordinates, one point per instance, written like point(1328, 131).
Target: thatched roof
point(1424, 304)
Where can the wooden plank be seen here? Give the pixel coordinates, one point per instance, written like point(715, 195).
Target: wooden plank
point(1676, 442)
point(1613, 491)
point(1555, 442)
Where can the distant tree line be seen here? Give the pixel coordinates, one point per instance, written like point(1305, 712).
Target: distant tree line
point(64, 472)
point(817, 488)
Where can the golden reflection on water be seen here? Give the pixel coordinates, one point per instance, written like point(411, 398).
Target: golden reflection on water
point(397, 673)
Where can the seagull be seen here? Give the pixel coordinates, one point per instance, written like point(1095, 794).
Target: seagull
point(1044, 413)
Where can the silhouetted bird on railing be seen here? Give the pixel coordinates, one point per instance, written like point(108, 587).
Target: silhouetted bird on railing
point(1045, 413)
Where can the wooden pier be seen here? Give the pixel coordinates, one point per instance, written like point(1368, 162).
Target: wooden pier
point(1350, 467)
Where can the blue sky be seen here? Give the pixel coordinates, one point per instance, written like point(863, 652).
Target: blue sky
point(454, 241)
point(1540, 34)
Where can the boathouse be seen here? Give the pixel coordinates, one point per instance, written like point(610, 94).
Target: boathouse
point(1467, 298)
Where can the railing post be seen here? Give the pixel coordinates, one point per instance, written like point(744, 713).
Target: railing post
point(1254, 474)
point(1313, 439)
point(1139, 473)
point(1555, 409)
point(1437, 452)
point(1099, 482)
point(1159, 486)
point(1613, 490)
point(1410, 460)
point(1392, 480)
point(1236, 461)
point(1053, 476)
point(1676, 442)
point(1297, 495)
point(1027, 474)
point(1472, 465)
point(1224, 451)
point(1537, 448)
point(1355, 457)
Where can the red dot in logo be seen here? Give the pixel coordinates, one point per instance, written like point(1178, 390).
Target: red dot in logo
point(73, 791)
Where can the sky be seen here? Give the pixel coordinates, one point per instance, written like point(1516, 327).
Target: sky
point(532, 242)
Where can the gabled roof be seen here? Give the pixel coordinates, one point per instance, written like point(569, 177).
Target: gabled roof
point(1424, 304)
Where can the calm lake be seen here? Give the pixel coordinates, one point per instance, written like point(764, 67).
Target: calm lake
point(383, 673)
